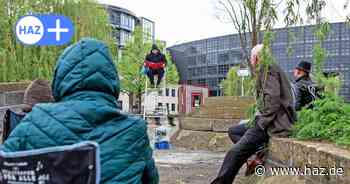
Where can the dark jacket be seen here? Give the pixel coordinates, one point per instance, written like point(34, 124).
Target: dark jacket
point(156, 58)
point(86, 89)
point(305, 92)
point(275, 102)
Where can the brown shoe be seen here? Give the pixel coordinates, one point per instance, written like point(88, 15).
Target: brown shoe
point(258, 159)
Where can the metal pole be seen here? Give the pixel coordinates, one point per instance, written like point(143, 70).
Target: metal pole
point(242, 85)
point(145, 101)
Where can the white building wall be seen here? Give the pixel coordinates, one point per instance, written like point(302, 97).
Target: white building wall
point(154, 99)
point(124, 100)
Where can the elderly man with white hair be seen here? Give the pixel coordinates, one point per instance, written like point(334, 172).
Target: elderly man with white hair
point(275, 116)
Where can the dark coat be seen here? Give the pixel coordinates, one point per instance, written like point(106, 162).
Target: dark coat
point(156, 58)
point(276, 108)
point(305, 92)
point(86, 89)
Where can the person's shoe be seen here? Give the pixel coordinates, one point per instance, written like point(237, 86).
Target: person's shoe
point(259, 159)
point(252, 164)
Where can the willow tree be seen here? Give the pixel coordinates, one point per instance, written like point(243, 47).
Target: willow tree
point(19, 62)
point(248, 18)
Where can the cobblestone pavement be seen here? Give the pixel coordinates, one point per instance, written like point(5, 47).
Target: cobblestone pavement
point(187, 167)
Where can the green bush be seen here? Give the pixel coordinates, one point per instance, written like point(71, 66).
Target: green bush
point(329, 121)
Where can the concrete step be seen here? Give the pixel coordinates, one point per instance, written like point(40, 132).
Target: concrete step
point(207, 124)
point(201, 140)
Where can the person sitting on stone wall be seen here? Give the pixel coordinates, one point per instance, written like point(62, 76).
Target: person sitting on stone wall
point(38, 91)
point(275, 117)
point(86, 88)
point(305, 90)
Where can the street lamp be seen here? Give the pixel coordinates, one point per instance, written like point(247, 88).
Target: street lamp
point(221, 88)
point(243, 72)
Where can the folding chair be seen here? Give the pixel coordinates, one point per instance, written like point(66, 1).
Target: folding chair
point(73, 164)
point(11, 120)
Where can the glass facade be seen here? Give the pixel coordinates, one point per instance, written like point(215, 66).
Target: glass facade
point(208, 61)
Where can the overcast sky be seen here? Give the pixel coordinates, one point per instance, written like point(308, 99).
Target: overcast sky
point(179, 21)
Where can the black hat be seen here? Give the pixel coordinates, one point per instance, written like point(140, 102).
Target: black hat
point(305, 66)
point(155, 47)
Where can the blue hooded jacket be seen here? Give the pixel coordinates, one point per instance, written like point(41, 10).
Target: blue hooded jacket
point(86, 89)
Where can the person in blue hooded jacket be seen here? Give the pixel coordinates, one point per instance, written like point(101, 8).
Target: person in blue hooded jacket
point(86, 88)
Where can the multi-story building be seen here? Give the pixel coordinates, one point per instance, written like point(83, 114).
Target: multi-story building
point(206, 62)
point(148, 28)
point(165, 99)
point(124, 21)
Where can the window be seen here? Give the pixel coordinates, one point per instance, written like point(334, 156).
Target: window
point(173, 92)
point(112, 17)
point(192, 60)
point(167, 92)
point(212, 70)
point(223, 69)
point(213, 82)
point(173, 107)
point(212, 58)
point(160, 105)
point(202, 81)
point(223, 58)
point(202, 59)
point(124, 37)
point(167, 106)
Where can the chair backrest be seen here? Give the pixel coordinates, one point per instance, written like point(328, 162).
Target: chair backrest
point(11, 120)
point(73, 164)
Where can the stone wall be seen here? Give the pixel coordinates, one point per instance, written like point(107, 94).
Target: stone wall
point(207, 127)
point(301, 154)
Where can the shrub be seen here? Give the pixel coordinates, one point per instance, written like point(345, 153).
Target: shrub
point(329, 120)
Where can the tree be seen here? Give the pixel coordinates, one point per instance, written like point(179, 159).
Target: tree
point(248, 17)
point(232, 85)
point(131, 64)
point(19, 62)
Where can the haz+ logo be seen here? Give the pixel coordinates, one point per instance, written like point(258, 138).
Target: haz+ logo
point(44, 30)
